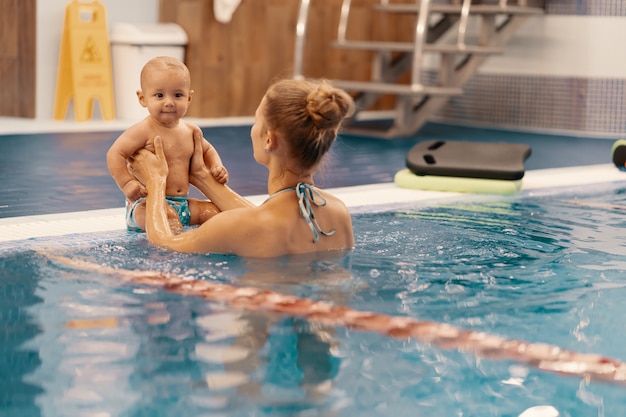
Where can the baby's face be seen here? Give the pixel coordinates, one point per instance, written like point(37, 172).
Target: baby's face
point(166, 94)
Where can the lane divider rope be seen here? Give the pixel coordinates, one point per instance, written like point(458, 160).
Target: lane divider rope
point(542, 356)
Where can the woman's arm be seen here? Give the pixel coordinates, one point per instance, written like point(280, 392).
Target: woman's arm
point(200, 177)
point(234, 231)
point(231, 232)
point(151, 169)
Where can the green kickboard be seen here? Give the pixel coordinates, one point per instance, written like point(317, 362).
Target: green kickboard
point(407, 179)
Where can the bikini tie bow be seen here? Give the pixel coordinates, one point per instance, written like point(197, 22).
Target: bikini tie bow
point(307, 198)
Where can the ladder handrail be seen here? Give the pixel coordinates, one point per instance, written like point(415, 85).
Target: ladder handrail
point(421, 28)
point(521, 3)
point(301, 26)
point(465, 11)
point(342, 27)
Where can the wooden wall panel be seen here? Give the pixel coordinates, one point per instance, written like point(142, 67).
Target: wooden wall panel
point(17, 57)
point(232, 64)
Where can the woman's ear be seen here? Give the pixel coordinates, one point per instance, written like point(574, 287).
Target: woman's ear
point(271, 141)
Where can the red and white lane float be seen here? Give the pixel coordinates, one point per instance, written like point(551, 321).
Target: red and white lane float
point(541, 356)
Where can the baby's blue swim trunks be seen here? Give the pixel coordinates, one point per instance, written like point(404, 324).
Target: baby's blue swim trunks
point(180, 204)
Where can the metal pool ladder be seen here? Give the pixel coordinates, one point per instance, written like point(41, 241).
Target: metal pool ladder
point(415, 101)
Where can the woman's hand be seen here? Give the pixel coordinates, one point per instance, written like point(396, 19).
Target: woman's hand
point(200, 177)
point(147, 166)
point(198, 170)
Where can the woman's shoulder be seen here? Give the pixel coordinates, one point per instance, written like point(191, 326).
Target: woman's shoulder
point(247, 231)
point(333, 202)
point(247, 218)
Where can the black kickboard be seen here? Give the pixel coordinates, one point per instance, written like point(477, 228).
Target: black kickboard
point(499, 160)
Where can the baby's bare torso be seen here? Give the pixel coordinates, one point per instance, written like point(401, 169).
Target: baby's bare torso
point(178, 148)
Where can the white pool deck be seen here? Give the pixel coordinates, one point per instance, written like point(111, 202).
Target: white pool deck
point(93, 221)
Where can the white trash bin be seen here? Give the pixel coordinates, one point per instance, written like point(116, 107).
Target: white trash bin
point(132, 45)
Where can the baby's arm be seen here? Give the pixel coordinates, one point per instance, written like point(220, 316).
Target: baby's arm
point(125, 146)
point(219, 171)
point(214, 162)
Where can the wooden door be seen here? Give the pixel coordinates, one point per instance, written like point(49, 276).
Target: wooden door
point(18, 23)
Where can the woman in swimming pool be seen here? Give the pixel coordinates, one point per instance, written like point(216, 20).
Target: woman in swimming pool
point(295, 125)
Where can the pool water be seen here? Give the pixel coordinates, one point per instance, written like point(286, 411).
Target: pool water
point(60, 173)
point(545, 268)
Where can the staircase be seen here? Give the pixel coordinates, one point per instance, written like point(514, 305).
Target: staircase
point(440, 28)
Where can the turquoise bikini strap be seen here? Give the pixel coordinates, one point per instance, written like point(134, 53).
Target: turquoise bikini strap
point(307, 197)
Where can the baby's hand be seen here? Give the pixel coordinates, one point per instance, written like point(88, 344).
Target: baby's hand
point(134, 190)
point(220, 174)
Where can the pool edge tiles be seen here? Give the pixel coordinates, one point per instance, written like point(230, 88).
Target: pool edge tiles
point(362, 198)
point(571, 177)
point(105, 220)
point(27, 126)
point(30, 227)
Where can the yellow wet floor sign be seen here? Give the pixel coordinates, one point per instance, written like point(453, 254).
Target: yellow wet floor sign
point(85, 63)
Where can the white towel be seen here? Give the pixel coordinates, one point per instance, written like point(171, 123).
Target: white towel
point(224, 9)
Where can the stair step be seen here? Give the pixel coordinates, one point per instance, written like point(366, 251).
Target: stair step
point(376, 132)
point(409, 47)
point(380, 129)
point(454, 9)
point(398, 89)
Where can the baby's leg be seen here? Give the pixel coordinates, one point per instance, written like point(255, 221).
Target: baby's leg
point(172, 218)
point(201, 210)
